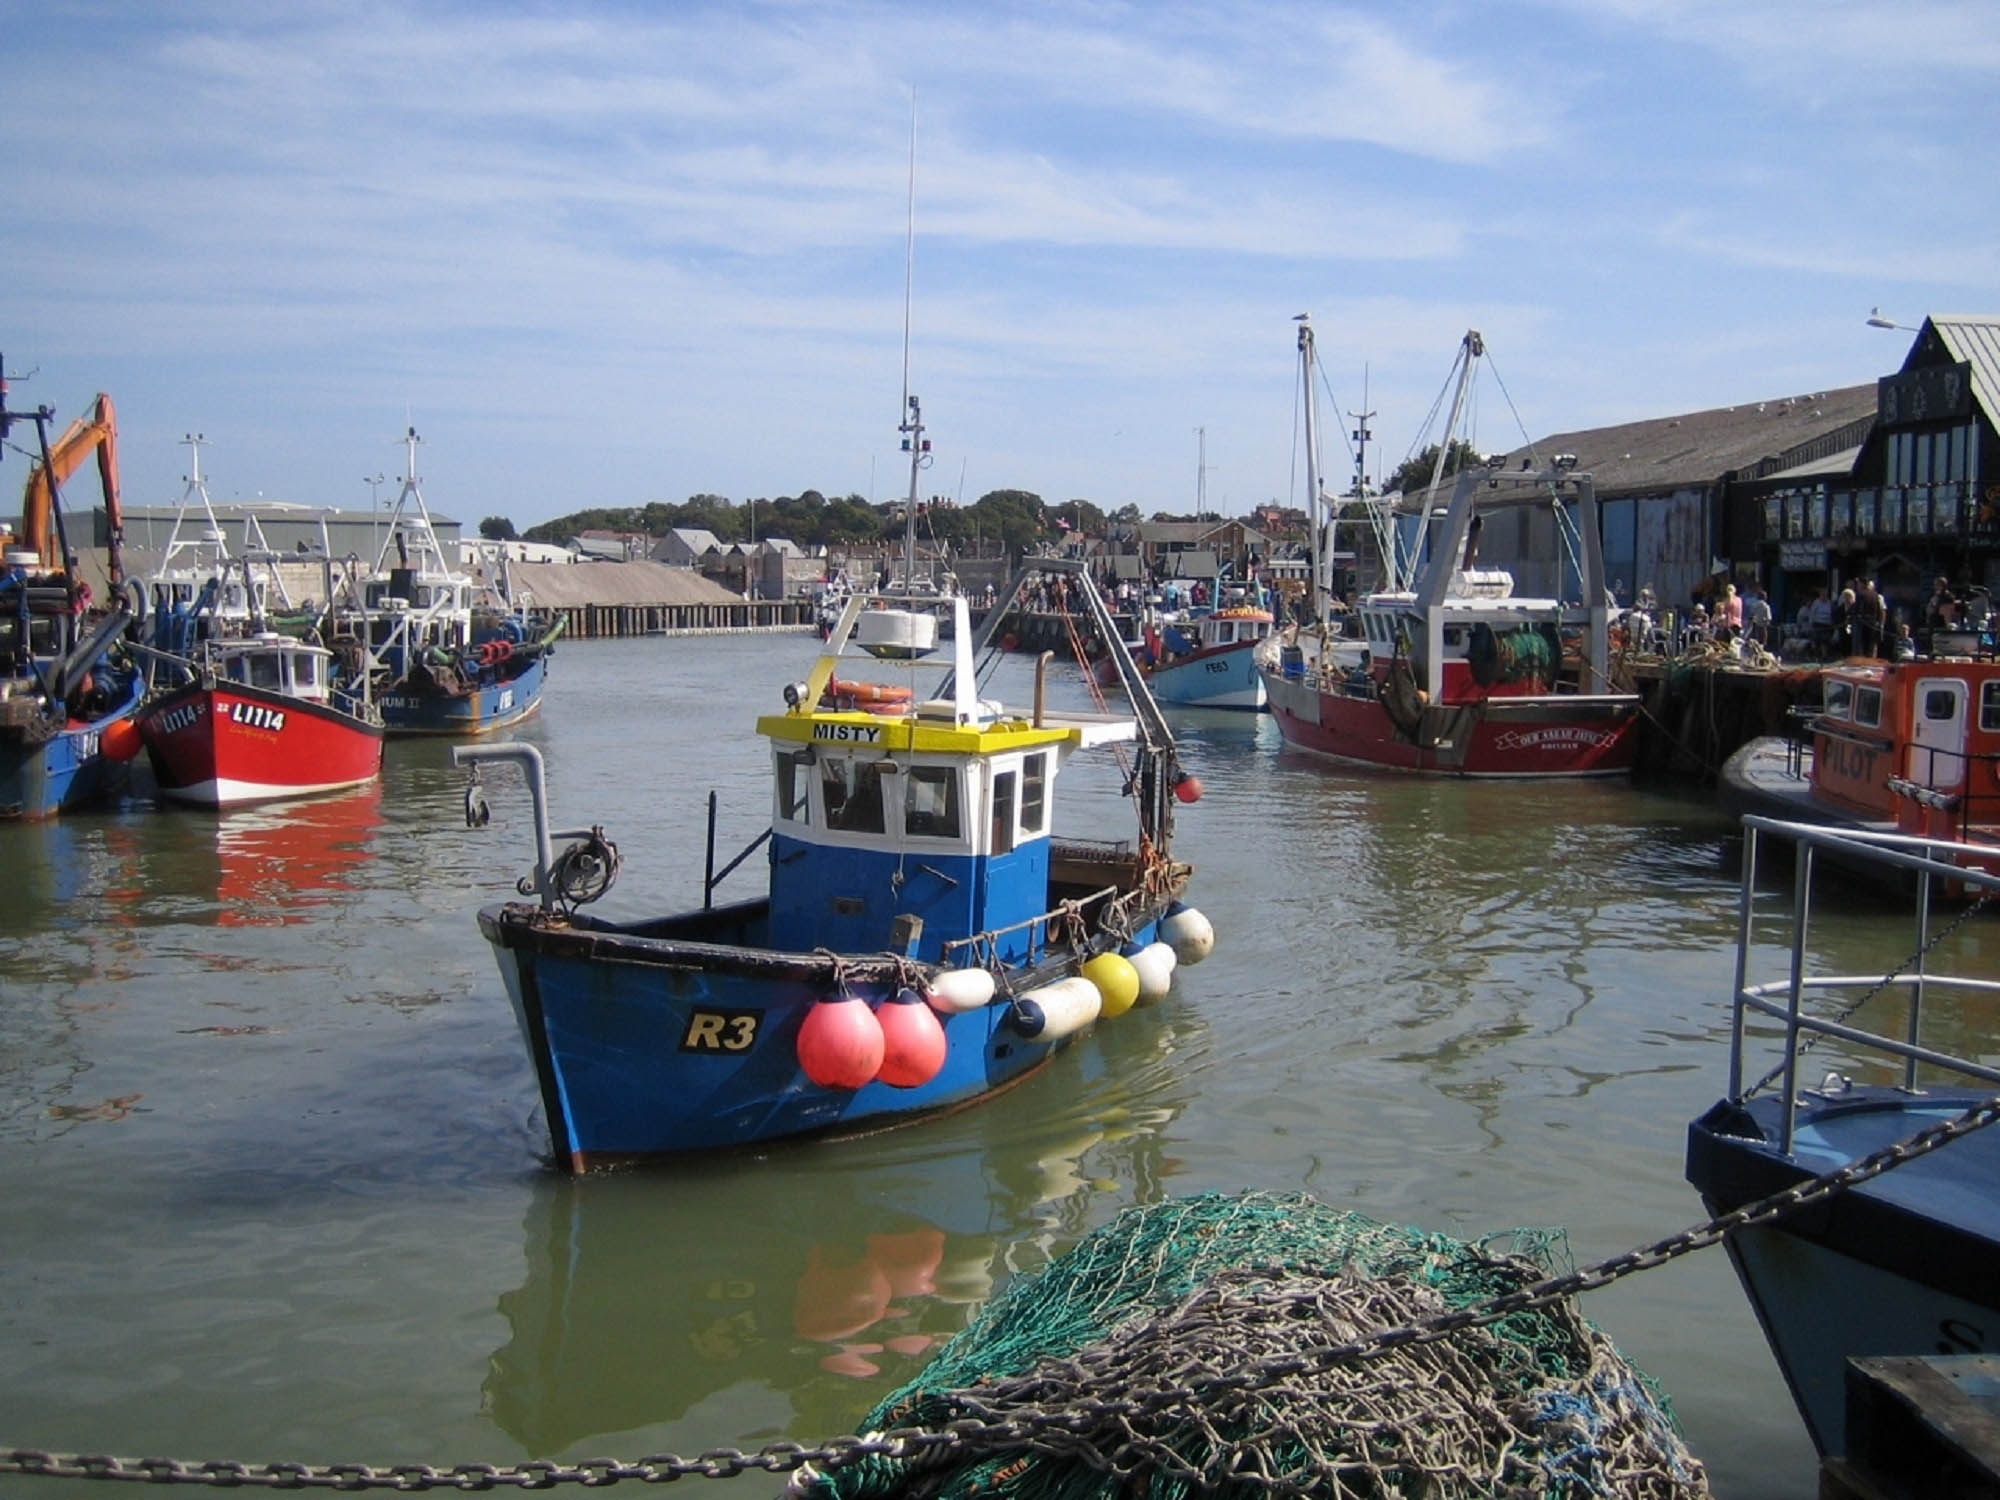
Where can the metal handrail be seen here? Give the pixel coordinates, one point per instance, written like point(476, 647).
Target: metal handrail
point(1930, 859)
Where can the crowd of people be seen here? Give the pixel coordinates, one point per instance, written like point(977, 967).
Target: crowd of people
point(1855, 620)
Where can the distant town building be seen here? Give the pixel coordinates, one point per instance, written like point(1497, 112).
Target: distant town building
point(685, 546)
point(1198, 549)
point(611, 546)
point(286, 526)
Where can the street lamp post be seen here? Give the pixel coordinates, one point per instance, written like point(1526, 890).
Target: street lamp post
point(374, 483)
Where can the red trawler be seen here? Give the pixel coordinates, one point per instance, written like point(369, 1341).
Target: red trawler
point(1458, 675)
point(1453, 673)
point(256, 724)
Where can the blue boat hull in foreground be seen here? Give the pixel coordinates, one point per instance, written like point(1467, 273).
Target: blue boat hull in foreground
point(1900, 1263)
point(653, 1046)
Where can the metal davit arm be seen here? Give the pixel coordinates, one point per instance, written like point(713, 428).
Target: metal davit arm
point(529, 759)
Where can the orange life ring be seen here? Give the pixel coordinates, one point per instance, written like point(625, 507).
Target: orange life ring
point(868, 694)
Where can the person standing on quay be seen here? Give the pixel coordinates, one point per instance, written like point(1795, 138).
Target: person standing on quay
point(1843, 625)
point(1729, 614)
point(1870, 616)
point(1757, 615)
point(1819, 622)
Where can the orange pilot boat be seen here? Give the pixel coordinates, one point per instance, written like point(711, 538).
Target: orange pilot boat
point(1910, 747)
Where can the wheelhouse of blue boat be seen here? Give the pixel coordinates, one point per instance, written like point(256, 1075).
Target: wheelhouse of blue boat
point(907, 834)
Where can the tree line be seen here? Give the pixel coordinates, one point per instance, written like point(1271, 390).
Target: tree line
point(1018, 518)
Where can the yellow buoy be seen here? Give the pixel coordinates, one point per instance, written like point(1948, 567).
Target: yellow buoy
point(1116, 980)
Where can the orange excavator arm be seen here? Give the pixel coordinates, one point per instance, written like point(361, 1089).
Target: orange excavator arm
point(96, 433)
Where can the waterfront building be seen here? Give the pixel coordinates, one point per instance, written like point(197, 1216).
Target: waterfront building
point(1664, 486)
point(1916, 498)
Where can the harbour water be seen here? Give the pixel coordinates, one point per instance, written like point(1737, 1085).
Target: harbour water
point(271, 1146)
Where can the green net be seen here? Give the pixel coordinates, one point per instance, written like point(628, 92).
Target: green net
point(1172, 1353)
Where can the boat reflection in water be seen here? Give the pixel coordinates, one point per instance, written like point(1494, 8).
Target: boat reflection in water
point(280, 863)
point(653, 1299)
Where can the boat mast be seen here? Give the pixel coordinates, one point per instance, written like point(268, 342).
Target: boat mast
point(912, 426)
point(1201, 474)
point(1314, 500)
point(1470, 348)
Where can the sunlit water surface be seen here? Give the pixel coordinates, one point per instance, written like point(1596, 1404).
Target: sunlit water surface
point(272, 1165)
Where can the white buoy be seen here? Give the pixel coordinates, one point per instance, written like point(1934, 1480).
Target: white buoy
point(958, 990)
point(1053, 1011)
point(1155, 963)
point(1190, 933)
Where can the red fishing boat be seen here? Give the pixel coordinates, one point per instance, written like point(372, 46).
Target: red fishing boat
point(256, 723)
point(1453, 672)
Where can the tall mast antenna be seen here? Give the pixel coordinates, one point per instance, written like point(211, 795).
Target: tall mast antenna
point(910, 247)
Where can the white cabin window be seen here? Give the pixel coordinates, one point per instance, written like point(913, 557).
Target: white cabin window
point(1034, 793)
point(1839, 700)
point(264, 671)
point(853, 791)
point(793, 784)
point(1989, 706)
point(1868, 706)
point(1940, 705)
point(1225, 632)
point(930, 796)
point(1003, 813)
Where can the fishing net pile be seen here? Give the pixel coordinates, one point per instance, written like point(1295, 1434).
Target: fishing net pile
point(1187, 1349)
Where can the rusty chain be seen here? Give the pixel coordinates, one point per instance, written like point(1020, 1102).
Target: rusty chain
point(1040, 1429)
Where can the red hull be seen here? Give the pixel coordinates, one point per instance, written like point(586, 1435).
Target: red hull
point(1551, 735)
point(229, 744)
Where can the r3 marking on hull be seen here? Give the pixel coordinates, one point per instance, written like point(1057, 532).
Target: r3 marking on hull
point(721, 1030)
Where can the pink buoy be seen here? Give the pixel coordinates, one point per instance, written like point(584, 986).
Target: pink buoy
point(913, 1041)
point(840, 1043)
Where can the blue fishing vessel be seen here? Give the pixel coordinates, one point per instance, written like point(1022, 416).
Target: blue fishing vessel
point(1209, 660)
point(1897, 1255)
point(442, 654)
point(65, 686)
point(925, 937)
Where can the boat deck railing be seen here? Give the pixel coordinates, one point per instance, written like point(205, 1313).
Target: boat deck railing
point(1041, 929)
point(1937, 867)
point(1960, 783)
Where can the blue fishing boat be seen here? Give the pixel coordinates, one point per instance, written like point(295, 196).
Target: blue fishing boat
point(65, 686)
point(442, 654)
point(1209, 660)
point(925, 937)
point(1895, 1256)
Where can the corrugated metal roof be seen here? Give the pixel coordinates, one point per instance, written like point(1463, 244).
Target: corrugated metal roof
point(1698, 448)
point(572, 585)
point(1976, 340)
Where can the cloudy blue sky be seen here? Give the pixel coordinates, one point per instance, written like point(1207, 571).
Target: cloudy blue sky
point(607, 252)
